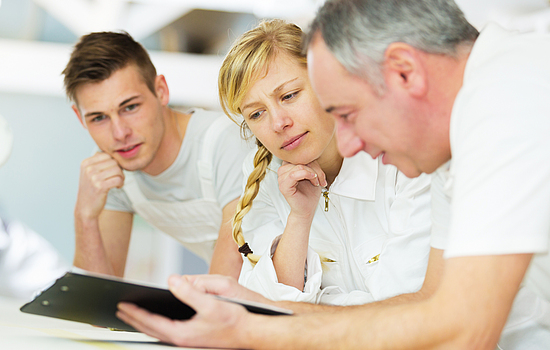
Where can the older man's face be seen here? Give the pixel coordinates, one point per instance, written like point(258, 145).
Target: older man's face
point(383, 126)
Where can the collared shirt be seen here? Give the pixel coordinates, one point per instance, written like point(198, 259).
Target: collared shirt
point(375, 235)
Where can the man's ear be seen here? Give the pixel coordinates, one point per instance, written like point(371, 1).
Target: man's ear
point(403, 66)
point(161, 89)
point(77, 112)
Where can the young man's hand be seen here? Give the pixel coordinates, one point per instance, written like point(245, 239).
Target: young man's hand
point(98, 174)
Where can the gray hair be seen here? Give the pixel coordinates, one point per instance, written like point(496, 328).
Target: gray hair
point(357, 32)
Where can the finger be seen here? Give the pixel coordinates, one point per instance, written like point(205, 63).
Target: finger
point(314, 166)
point(151, 324)
point(298, 173)
point(105, 180)
point(114, 181)
point(98, 157)
point(214, 284)
point(305, 173)
point(107, 166)
point(196, 298)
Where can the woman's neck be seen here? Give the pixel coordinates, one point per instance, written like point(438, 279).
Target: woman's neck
point(331, 161)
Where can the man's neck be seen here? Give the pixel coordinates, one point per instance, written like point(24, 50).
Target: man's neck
point(446, 80)
point(169, 148)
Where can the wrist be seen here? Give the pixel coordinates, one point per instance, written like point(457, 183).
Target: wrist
point(85, 223)
point(306, 218)
point(85, 216)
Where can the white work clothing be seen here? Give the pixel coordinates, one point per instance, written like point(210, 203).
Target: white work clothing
point(497, 185)
point(195, 221)
point(373, 210)
point(28, 262)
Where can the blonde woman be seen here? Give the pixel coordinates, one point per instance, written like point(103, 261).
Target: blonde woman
point(313, 226)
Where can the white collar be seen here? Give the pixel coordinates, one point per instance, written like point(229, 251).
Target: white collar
point(357, 178)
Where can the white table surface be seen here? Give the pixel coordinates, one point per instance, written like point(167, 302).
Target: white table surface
point(21, 331)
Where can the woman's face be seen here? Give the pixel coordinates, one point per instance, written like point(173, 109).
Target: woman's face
point(282, 111)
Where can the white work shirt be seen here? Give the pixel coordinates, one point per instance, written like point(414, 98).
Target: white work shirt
point(496, 188)
point(373, 209)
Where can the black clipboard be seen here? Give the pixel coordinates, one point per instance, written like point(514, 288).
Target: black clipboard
point(93, 299)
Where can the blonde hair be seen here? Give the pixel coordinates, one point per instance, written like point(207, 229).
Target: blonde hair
point(247, 62)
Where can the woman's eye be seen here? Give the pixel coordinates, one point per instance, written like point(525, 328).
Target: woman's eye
point(255, 115)
point(290, 96)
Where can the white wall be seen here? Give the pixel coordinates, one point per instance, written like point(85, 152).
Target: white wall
point(38, 184)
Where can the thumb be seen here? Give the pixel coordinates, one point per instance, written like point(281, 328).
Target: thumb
point(187, 293)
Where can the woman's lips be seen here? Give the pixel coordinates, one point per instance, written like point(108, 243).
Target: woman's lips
point(293, 142)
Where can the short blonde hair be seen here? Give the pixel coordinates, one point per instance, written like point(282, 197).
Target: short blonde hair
point(248, 61)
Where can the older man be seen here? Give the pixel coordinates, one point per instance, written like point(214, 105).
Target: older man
point(413, 82)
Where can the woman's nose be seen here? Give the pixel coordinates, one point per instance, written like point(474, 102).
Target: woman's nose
point(280, 119)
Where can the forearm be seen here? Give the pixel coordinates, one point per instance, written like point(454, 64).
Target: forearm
point(226, 260)
point(467, 311)
point(303, 307)
point(357, 328)
point(90, 253)
point(290, 256)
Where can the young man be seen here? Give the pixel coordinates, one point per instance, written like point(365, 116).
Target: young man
point(413, 82)
point(179, 171)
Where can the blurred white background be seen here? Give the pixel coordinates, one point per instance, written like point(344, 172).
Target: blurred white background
point(187, 40)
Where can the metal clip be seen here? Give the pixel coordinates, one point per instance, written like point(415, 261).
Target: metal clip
point(325, 194)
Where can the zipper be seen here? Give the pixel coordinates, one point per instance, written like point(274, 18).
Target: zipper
point(325, 194)
point(373, 259)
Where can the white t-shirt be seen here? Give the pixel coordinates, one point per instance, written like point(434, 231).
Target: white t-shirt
point(373, 209)
point(498, 181)
point(180, 182)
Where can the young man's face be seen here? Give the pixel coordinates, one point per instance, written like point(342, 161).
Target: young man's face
point(124, 117)
point(388, 125)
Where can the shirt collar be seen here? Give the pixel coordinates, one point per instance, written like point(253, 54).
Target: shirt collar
point(357, 178)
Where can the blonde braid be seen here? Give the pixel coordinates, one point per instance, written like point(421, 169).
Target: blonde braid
point(261, 162)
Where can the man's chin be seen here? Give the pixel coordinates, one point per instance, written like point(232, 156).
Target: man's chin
point(129, 165)
point(410, 172)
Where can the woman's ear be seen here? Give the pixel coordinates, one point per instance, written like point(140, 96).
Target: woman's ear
point(403, 66)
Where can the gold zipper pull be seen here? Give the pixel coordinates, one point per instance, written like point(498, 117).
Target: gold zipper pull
point(325, 194)
point(373, 259)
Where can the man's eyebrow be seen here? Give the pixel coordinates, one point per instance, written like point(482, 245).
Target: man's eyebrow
point(276, 91)
point(127, 100)
point(92, 114)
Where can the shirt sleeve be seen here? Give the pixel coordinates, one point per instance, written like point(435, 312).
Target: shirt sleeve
point(227, 162)
point(117, 200)
point(500, 169)
point(440, 207)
